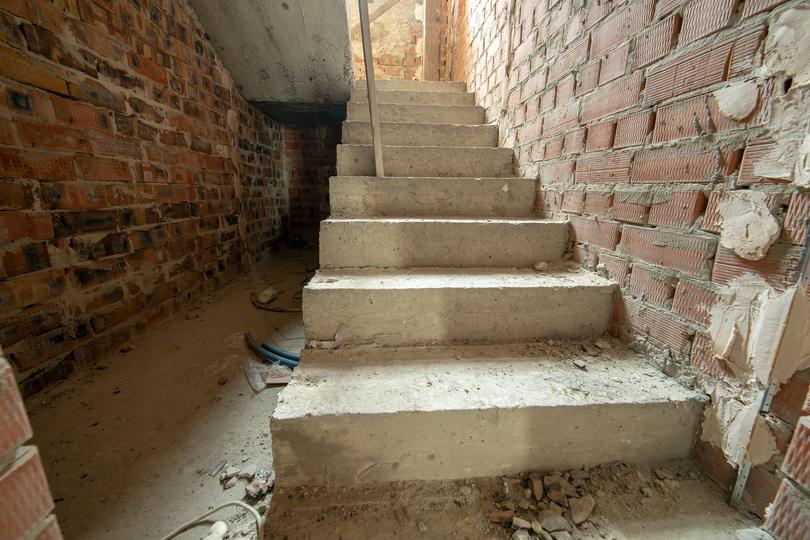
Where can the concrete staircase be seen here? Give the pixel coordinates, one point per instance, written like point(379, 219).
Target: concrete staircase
point(435, 349)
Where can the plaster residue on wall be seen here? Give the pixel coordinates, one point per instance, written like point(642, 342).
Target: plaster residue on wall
point(761, 336)
point(748, 227)
point(787, 60)
point(396, 39)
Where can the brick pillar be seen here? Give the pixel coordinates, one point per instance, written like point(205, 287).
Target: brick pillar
point(25, 511)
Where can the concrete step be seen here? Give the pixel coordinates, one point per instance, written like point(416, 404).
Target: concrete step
point(433, 114)
point(433, 413)
point(360, 95)
point(415, 86)
point(369, 196)
point(358, 160)
point(440, 242)
point(420, 134)
point(428, 306)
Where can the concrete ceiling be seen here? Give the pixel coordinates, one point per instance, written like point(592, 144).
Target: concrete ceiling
point(290, 56)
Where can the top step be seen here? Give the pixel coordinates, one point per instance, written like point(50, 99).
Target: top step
point(416, 86)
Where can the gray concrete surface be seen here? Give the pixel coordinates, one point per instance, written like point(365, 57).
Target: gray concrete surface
point(414, 112)
point(358, 160)
point(416, 134)
point(368, 196)
point(424, 306)
point(441, 242)
point(379, 415)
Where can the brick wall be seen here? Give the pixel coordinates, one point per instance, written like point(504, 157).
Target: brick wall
point(134, 176)
point(611, 105)
point(396, 40)
point(27, 502)
point(310, 155)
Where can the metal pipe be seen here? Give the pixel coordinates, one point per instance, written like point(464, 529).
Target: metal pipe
point(365, 31)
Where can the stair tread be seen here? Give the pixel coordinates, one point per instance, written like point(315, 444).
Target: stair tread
point(423, 124)
point(461, 278)
point(371, 380)
point(440, 219)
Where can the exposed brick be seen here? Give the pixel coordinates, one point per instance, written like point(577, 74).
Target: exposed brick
point(561, 119)
point(703, 357)
point(752, 7)
point(587, 77)
point(629, 211)
point(685, 252)
point(613, 97)
point(680, 210)
point(614, 64)
point(574, 141)
point(778, 267)
point(656, 42)
point(53, 137)
point(711, 218)
point(788, 517)
point(19, 225)
point(573, 200)
point(96, 168)
point(653, 286)
point(600, 136)
point(690, 71)
point(591, 231)
point(788, 403)
point(797, 218)
point(702, 17)
point(745, 48)
point(557, 173)
point(755, 152)
point(25, 259)
point(15, 428)
point(35, 165)
point(50, 530)
point(598, 203)
point(694, 301)
point(569, 60)
point(617, 268)
point(18, 67)
point(611, 168)
point(621, 26)
point(662, 329)
point(682, 119)
point(797, 459)
point(565, 90)
point(25, 494)
point(554, 147)
point(632, 130)
point(679, 165)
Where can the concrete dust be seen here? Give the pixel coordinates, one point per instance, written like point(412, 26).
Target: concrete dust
point(128, 445)
point(669, 501)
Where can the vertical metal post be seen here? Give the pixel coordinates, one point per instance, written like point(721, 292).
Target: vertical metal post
point(365, 31)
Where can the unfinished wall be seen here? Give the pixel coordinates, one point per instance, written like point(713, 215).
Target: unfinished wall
point(396, 39)
point(27, 501)
point(134, 176)
point(673, 134)
point(310, 154)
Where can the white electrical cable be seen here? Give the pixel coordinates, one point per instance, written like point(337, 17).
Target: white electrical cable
point(189, 524)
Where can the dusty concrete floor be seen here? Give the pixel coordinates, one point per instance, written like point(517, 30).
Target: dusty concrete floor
point(127, 448)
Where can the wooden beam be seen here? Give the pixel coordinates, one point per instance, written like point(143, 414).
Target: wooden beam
point(374, 15)
point(432, 42)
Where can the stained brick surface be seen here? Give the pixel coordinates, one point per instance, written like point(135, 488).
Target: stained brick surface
point(25, 494)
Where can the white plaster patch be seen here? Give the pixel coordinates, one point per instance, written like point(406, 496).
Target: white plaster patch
point(748, 228)
point(738, 100)
point(763, 443)
point(787, 51)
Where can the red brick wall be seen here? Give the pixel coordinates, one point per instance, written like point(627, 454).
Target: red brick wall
point(27, 502)
point(310, 155)
point(610, 105)
point(134, 176)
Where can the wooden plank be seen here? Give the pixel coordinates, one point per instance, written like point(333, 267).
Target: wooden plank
point(431, 56)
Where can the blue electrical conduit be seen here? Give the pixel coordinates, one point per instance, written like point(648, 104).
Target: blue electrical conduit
point(278, 351)
point(268, 355)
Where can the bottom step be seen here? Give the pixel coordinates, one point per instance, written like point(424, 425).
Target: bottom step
point(359, 415)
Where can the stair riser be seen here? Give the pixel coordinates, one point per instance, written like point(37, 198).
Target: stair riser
point(414, 86)
point(426, 161)
point(405, 134)
point(363, 196)
point(422, 316)
point(401, 244)
point(360, 95)
point(430, 445)
point(431, 114)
